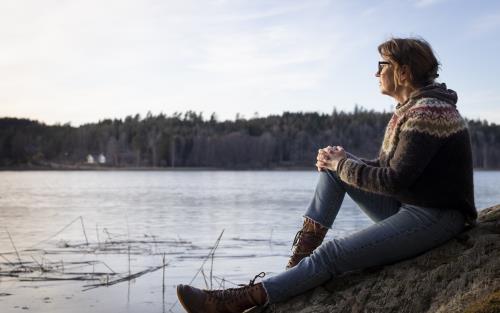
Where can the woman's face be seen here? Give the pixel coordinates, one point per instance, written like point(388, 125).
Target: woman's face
point(385, 76)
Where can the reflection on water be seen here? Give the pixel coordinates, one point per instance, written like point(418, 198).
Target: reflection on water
point(159, 211)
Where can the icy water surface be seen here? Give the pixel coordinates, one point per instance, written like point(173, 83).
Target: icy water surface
point(132, 219)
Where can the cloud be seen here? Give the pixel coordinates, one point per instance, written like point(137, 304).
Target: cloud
point(269, 12)
point(260, 51)
point(427, 3)
point(83, 60)
point(71, 59)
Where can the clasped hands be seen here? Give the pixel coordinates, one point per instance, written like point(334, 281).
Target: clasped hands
point(328, 158)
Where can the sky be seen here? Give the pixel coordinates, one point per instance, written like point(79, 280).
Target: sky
point(69, 61)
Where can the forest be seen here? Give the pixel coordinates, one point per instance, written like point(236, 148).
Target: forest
point(188, 139)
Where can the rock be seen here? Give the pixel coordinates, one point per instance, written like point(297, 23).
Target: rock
point(462, 275)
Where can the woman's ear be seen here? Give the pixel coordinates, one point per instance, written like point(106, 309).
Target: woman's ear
point(404, 75)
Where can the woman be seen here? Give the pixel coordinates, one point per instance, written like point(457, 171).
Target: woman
point(419, 192)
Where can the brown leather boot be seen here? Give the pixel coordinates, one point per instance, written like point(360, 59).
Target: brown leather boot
point(234, 300)
point(306, 240)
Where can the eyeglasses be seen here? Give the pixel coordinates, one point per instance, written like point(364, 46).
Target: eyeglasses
point(381, 65)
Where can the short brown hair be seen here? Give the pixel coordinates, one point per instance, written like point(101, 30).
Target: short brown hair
point(417, 54)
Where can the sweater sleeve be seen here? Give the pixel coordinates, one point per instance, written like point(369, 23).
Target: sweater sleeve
point(420, 137)
point(413, 152)
point(372, 162)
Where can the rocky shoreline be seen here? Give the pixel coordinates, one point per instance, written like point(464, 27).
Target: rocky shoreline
point(462, 275)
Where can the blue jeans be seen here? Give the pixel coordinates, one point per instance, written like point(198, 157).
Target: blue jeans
point(400, 231)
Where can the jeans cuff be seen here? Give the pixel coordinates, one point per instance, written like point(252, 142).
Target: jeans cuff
point(267, 293)
point(316, 221)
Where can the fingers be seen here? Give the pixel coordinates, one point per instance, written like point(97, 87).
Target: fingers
point(321, 166)
point(341, 152)
point(322, 154)
point(329, 149)
point(323, 157)
point(328, 155)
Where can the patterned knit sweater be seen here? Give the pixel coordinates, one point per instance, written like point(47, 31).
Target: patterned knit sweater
point(425, 158)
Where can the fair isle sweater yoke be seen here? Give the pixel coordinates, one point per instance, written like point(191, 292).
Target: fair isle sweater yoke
point(425, 158)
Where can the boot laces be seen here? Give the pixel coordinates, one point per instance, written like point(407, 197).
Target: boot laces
point(314, 234)
point(252, 281)
point(297, 237)
point(233, 294)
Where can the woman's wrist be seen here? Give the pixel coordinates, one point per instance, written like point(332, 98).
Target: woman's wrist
point(337, 164)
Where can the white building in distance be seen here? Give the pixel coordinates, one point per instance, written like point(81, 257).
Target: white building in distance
point(101, 159)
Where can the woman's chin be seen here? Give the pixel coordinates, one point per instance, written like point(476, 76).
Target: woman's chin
point(385, 91)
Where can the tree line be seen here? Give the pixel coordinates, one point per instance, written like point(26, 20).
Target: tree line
point(189, 140)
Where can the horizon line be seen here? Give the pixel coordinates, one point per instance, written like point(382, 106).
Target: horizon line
point(238, 116)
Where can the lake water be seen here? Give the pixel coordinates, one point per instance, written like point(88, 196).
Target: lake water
point(132, 219)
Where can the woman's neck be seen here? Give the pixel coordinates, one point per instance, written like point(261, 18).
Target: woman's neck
point(403, 93)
